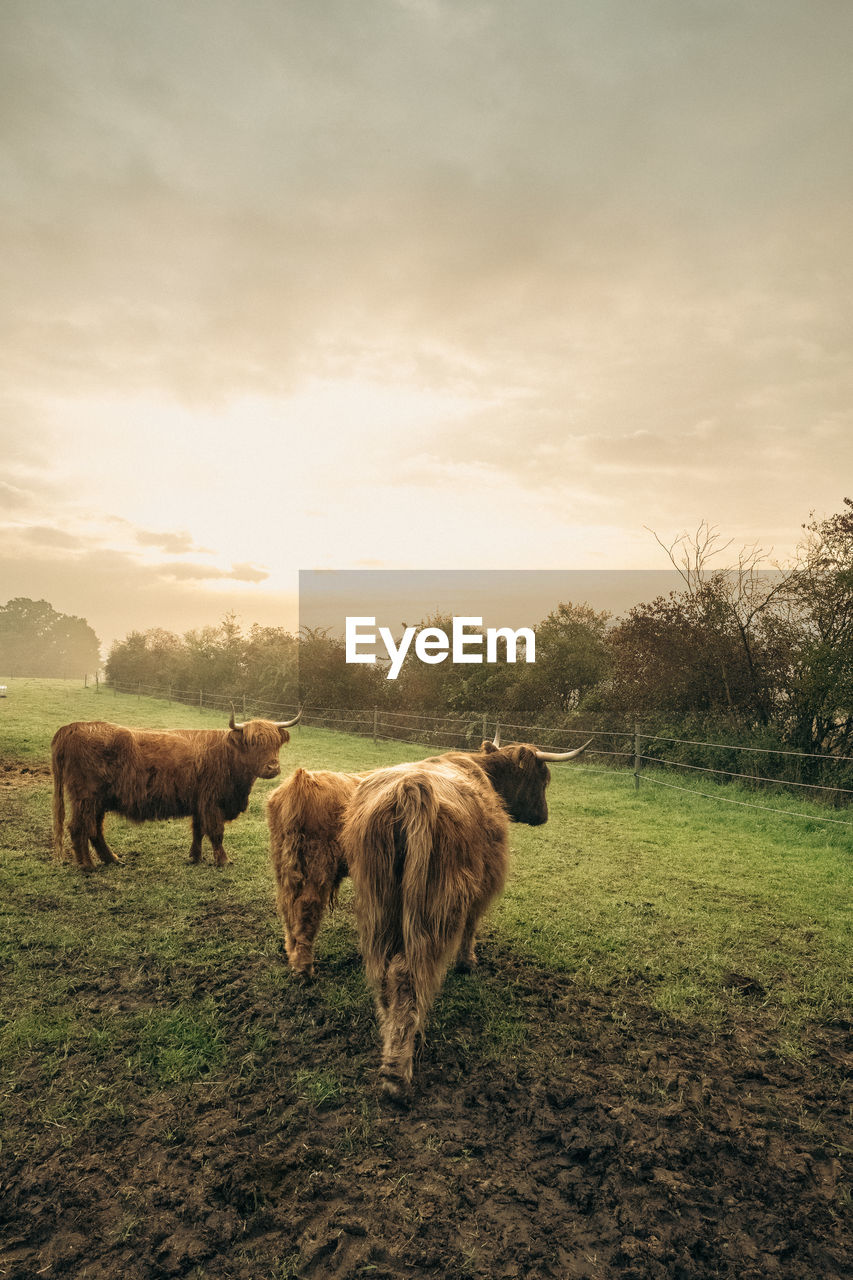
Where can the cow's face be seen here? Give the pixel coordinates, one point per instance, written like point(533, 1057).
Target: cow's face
point(520, 780)
point(269, 768)
point(259, 743)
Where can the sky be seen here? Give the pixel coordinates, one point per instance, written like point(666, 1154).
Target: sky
point(413, 284)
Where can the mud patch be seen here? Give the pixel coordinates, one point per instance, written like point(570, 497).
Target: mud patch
point(604, 1143)
point(13, 774)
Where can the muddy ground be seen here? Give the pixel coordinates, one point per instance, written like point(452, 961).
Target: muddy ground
point(601, 1146)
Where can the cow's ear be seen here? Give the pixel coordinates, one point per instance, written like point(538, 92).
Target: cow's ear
point(487, 747)
point(284, 735)
point(236, 735)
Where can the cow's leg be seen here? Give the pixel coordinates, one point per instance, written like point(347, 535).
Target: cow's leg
point(303, 919)
point(285, 901)
point(102, 849)
point(400, 1019)
point(214, 825)
point(198, 834)
point(466, 959)
point(81, 828)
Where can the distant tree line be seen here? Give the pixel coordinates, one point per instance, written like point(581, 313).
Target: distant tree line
point(36, 640)
point(260, 665)
point(742, 653)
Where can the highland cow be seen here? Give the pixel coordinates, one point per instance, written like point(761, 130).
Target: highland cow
point(427, 848)
point(203, 774)
point(305, 815)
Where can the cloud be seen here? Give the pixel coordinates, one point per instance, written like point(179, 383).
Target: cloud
point(43, 535)
point(14, 498)
point(302, 203)
point(248, 573)
point(616, 236)
point(116, 593)
point(173, 542)
point(200, 572)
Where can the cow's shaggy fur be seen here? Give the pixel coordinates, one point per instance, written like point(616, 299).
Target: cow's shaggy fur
point(305, 815)
point(306, 812)
point(427, 849)
point(203, 774)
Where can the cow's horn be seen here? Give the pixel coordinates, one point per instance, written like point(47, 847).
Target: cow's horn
point(285, 724)
point(232, 724)
point(497, 738)
point(561, 755)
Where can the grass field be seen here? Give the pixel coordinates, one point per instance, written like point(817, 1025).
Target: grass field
point(651, 949)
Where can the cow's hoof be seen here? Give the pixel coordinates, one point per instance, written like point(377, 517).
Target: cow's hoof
point(466, 964)
point(396, 1091)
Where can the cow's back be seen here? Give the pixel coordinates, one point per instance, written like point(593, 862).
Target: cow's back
point(305, 815)
point(141, 773)
point(428, 832)
point(92, 753)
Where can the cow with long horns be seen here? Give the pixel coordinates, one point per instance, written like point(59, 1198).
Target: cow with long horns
point(426, 845)
point(427, 849)
point(144, 774)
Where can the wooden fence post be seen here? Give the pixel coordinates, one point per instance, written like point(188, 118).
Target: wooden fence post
point(199, 699)
point(244, 706)
point(375, 722)
point(485, 728)
point(637, 760)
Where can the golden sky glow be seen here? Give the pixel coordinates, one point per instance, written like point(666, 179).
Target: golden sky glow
point(412, 283)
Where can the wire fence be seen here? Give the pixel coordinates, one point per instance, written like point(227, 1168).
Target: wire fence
point(628, 751)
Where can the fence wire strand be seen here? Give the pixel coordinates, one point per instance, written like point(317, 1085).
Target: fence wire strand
point(746, 804)
point(432, 731)
point(750, 777)
point(730, 746)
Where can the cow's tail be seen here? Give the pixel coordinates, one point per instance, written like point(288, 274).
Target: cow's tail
point(57, 765)
point(412, 902)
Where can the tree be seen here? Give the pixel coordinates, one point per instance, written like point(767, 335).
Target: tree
point(669, 660)
point(572, 659)
point(816, 637)
point(271, 664)
point(327, 680)
point(36, 640)
point(733, 602)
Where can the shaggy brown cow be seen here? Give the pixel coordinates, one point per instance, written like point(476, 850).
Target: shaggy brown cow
point(427, 848)
point(304, 816)
point(203, 774)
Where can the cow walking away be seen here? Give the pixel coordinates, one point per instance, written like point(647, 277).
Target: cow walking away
point(305, 815)
point(427, 848)
point(144, 774)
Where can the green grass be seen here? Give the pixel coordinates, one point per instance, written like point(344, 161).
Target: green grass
point(110, 982)
point(676, 890)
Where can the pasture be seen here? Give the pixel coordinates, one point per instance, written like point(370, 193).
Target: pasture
point(647, 1075)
